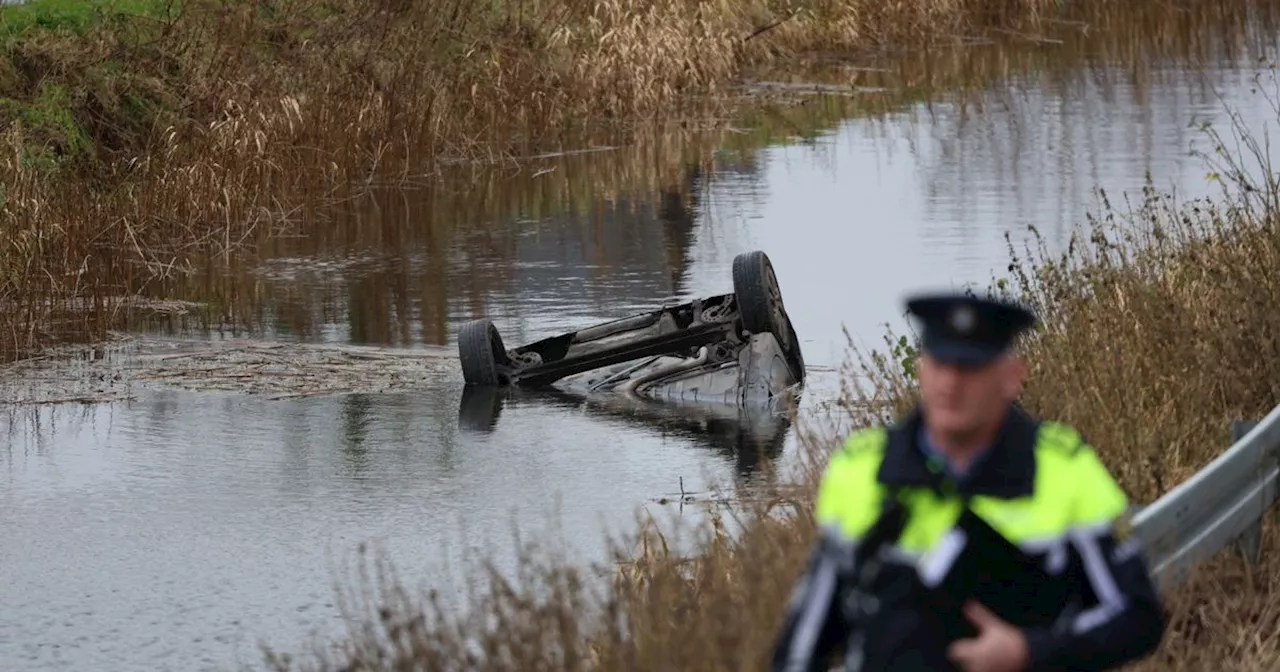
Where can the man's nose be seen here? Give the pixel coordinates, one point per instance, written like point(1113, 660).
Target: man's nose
point(951, 372)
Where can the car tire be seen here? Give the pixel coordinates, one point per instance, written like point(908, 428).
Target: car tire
point(755, 288)
point(482, 353)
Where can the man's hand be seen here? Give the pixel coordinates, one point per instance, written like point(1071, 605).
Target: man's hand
point(999, 647)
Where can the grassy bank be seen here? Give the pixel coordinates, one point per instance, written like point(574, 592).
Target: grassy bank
point(1160, 328)
point(138, 136)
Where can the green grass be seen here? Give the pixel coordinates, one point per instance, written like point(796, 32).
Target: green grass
point(74, 16)
point(50, 91)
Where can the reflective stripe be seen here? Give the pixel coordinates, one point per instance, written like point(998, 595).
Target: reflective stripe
point(836, 545)
point(1054, 549)
point(815, 593)
point(942, 558)
point(1056, 563)
point(814, 616)
point(896, 554)
point(1110, 600)
point(1127, 551)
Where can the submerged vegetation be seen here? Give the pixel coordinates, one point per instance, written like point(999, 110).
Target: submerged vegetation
point(137, 137)
point(1160, 327)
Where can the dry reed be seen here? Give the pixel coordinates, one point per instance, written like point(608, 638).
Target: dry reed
point(470, 207)
point(132, 147)
point(1159, 329)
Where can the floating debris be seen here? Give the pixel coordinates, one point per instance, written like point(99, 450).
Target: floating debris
point(115, 370)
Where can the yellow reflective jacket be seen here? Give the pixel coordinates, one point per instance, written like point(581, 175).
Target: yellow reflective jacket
point(1046, 496)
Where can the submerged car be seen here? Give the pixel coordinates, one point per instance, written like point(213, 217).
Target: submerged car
point(737, 348)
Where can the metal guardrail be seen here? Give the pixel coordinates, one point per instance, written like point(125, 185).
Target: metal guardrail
point(1219, 506)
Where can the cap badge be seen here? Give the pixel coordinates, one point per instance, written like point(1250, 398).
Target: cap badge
point(963, 319)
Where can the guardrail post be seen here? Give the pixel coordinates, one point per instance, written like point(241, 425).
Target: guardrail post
point(1249, 544)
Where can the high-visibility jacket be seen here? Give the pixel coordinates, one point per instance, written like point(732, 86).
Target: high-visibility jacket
point(1055, 559)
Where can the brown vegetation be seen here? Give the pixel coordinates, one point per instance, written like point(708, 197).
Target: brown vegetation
point(135, 145)
point(1160, 327)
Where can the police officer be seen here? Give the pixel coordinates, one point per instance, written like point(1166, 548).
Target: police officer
point(968, 535)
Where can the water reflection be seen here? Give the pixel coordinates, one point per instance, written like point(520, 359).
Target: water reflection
point(1034, 154)
point(391, 271)
point(357, 415)
point(738, 436)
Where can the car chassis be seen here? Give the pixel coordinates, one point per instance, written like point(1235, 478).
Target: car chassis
point(738, 348)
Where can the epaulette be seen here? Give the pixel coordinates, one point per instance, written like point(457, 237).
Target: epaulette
point(1062, 438)
point(863, 440)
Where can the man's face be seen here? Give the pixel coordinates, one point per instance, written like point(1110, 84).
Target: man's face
point(960, 401)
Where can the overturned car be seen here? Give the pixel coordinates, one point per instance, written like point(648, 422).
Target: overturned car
point(738, 348)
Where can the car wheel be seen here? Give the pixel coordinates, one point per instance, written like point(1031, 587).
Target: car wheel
point(482, 353)
point(755, 287)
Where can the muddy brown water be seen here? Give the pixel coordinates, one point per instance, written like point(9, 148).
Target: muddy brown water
point(216, 500)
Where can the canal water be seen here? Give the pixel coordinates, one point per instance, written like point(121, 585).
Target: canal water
point(180, 529)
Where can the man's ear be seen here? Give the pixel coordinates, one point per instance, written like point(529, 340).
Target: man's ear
point(1016, 376)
